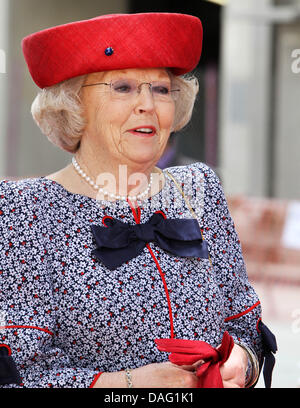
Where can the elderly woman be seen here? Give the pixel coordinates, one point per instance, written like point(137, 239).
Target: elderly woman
point(105, 258)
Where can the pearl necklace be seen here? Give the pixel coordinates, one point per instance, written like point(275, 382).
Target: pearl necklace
point(104, 192)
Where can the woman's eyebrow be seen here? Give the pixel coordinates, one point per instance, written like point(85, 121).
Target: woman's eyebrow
point(121, 78)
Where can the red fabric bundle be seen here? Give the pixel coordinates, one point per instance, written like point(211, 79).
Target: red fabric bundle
point(187, 352)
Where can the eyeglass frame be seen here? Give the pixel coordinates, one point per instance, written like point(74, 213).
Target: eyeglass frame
point(138, 87)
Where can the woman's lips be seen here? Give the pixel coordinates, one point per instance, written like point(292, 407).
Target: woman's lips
point(145, 131)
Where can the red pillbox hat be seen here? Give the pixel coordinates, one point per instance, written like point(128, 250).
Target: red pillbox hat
point(115, 41)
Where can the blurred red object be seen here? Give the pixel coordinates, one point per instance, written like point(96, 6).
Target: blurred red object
point(271, 250)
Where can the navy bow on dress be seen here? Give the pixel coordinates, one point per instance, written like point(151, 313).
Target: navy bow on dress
point(9, 373)
point(120, 242)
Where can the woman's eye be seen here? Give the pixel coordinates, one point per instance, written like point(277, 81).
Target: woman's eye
point(122, 88)
point(162, 90)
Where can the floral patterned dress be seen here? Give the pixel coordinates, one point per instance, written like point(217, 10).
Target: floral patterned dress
point(65, 317)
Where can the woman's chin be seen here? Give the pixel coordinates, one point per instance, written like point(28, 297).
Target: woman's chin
point(140, 156)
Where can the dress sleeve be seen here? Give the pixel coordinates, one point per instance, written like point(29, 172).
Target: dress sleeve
point(241, 303)
point(29, 355)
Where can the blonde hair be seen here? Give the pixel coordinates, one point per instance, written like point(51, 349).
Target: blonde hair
point(184, 105)
point(58, 110)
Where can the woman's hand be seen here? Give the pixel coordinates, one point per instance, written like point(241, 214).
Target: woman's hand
point(168, 375)
point(233, 371)
point(156, 375)
point(164, 375)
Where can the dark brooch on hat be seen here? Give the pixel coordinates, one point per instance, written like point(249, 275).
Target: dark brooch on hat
point(109, 51)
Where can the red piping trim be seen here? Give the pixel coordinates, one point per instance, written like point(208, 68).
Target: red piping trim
point(95, 380)
point(27, 327)
point(257, 323)
point(137, 217)
point(166, 290)
point(162, 213)
point(139, 214)
point(8, 348)
point(242, 313)
point(104, 218)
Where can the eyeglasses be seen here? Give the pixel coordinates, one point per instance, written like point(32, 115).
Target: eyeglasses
point(126, 89)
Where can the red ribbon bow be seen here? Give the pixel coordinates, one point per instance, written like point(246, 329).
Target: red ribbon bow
point(187, 352)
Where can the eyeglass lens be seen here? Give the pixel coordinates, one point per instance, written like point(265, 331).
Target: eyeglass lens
point(126, 88)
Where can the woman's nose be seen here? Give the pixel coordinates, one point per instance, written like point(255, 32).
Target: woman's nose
point(144, 98)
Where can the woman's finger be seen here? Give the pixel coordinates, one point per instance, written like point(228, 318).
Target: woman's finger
point(193, 366)
point(230, 384)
